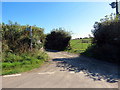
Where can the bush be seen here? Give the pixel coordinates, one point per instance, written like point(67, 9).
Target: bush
point(17, 55)
point(107, 33)
point(58, 39)
point(106, 41)
point(17, 39)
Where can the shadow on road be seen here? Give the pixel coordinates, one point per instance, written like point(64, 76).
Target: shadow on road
point(94, 69)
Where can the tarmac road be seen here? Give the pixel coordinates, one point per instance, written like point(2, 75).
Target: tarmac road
point(65, 70)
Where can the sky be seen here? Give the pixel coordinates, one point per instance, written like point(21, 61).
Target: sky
point(76, 17)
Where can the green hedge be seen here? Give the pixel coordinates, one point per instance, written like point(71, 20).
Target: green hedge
point(58, 39)
point(106, 40)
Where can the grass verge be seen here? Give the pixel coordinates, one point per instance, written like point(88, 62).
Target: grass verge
point(16, 63)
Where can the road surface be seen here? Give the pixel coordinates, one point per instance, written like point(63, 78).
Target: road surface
point(66, 70)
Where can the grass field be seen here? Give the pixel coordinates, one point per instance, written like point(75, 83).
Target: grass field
point(79, 45)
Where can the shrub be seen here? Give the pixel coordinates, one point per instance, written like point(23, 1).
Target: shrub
point(17, 56)
point(107, 33)
point(58, 39)
point(15, 38)
point(106, 41)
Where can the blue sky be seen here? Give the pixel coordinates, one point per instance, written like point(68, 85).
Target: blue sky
point(78, 17)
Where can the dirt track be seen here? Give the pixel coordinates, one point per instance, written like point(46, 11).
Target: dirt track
point(66, 70)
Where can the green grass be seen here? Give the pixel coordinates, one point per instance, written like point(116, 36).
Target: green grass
point(78, 47)
point(16, 63)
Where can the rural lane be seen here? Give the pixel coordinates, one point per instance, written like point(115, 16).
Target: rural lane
point(65, 70)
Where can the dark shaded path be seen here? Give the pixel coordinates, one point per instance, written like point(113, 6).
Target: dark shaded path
point(92, 68)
